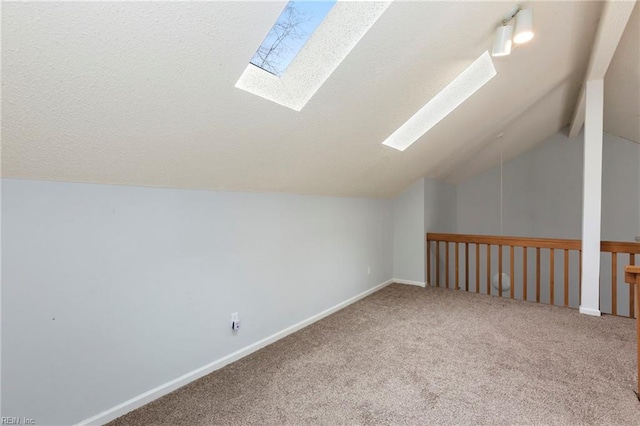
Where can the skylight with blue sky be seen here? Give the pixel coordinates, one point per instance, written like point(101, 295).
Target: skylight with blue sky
point(331, 30)
point(296, 23)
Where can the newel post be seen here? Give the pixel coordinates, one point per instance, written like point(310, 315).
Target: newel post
point(632, 277)
point(592, 198)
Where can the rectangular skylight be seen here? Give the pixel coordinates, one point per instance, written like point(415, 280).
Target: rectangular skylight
point(451, 97)
point(296, 23)
point(338, 33)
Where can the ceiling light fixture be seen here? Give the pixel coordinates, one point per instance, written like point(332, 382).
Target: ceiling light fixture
point(452, 96)
point(524, 26)
point(502, 44)
point(504, 33)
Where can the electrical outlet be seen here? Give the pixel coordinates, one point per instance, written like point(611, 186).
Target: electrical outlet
point(235, 321)
point(368, 270)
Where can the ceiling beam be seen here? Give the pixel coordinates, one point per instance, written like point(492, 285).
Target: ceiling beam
point(615, 15)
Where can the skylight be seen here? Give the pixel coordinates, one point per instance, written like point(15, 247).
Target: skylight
point(336, 35)
point(296, 23)
point(451, 97)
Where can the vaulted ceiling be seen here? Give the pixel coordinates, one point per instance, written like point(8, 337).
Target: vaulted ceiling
point(622, 84)
point(142, 93)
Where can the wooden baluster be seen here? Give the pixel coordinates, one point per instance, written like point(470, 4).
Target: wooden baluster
point(511, 273)
point(446, 264)
point(488, 269)
point(614, 283)
point(466, 267)
point(566, 277)
point(438, 263)
point(500, 271)
point(457, 266)
point(477, 268)
point(524, 273)
point(552, 273)
point(538, 274)
point(429, 262)
point(632, 312)
point(580, 278)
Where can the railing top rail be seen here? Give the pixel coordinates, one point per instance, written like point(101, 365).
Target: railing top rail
point(554, 243)
point(620, 247)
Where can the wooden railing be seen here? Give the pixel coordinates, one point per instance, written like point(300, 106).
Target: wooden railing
point(632, 277)
point(467, 250)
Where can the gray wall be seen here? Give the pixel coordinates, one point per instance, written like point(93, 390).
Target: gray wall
point(542, 194)
point(110, 291)
point(440, 211)
point(428, 205)
point(440, 206)
point(620, 189)
point(542, 197)
point(408, 233)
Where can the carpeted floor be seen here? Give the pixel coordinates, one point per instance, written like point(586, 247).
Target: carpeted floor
point(406, 355)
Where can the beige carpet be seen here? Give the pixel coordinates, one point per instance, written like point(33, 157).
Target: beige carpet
point(406, 355)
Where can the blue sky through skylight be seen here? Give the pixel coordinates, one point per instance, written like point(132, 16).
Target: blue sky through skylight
point(291, 31)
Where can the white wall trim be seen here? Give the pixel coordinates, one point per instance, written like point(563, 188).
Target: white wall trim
point(589, 311)
point(155, 393)
point(408, 282)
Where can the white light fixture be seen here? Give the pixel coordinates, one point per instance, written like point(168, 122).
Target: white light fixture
point(524, 26)
point(506, 281)
point(455, 93)
point(504, 33)
point(502, 44)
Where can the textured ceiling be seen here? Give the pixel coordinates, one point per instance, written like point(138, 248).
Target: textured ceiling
point(622, 84)
point(143, 93)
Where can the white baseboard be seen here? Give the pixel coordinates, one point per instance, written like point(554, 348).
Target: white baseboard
point(408, 282)
point(589, 311)
point(155, 393)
